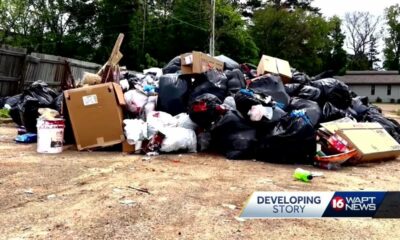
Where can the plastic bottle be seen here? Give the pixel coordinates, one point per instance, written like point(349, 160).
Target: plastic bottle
point(302, 175)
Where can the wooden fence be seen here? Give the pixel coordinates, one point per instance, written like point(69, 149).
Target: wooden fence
point(18, 70)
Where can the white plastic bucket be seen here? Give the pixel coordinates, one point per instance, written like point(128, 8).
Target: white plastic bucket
point(50, 135)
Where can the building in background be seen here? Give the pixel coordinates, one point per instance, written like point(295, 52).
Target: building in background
point(384, 85)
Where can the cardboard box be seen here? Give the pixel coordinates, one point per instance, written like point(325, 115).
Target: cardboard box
point(198, 62)
point(276, 66)
point(373, 142)
point(96, 115)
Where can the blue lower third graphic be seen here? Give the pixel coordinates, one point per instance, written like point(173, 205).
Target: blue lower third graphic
point(322, 204)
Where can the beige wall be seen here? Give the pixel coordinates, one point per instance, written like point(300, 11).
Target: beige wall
point(380, 91)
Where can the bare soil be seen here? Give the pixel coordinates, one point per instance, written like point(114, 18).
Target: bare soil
point(84, 195)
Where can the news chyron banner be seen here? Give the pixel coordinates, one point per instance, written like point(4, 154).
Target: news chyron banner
point(322, 204)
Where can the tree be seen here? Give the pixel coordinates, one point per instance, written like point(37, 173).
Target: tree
point(298, 36)
point(232, 38)
point(373, 54)
point(392, 41)
point(294, 4)
point(335, 56)
point(361, 29)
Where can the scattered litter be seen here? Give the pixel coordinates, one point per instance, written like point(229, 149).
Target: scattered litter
point(117, 190)
point(302, 175)
point(51, 196)
point(28, 191)
point(147, 158)
point(240, 219)
point(127, 202)
point(145, 190)
point(263, 181)
point(230, 206)
point(26, 138)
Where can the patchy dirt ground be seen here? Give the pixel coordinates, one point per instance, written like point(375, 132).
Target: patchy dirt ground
point(85, 195)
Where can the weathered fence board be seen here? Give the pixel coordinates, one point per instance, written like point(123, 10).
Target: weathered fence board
point(18, 70)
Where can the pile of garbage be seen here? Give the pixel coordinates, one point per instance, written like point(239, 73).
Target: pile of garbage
point(198, 103)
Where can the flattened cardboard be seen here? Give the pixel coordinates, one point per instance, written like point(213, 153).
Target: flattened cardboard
point(198, 62)
point(96, 115)
point(333, 126)
point(372, 144)
point(274, 65)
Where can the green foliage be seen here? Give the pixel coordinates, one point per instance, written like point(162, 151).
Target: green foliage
point(231, 35)
point(392, 42)
point(300, 37)
point(378, 100)
point(157, 31)
point(4, 113)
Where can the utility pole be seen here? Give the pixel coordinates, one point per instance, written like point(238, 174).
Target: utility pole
point(212, 37)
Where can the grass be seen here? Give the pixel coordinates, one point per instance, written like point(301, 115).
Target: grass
point(4, 113)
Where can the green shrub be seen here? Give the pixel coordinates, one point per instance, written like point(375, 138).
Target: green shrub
point(398, 100)
point(4, 113)
point(392, 100)
point(378, 100)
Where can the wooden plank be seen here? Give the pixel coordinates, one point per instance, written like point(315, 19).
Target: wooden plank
point(11, 53)
point(9, 79)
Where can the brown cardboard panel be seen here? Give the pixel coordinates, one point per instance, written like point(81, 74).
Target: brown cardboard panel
point(198, 62)
point(96, 116)
point(127, 148)
point(372, 144)
point(119, 94)
point(333, 126)
point(274, 65)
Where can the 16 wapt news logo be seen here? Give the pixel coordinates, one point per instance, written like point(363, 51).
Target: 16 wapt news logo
point(354, 204)
point(330, 204)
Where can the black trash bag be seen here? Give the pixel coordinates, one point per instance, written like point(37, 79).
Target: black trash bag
point(245, 100)
point(302, 78)
point(42, 92)
point(3, 101)
point(271, 86)
point(229, 64)
point(212, 82)
point(60, 105)
point(38, 95)
point(249, 70)
point(12, 103)
point(331, 113)
point(310, 93)
point(203, 141)
point(173, 66)
point(234, 137)
point(358, 105)
point(293, 140)
point(390, 125)
point(205, 110)
point(326, 74)
point(293, 89)
point(235, 81)
point(173, 94)
point(311, 108)
point(333, 91)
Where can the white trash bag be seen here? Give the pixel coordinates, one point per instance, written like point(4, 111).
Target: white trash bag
point(135, 130)
point(177, 138)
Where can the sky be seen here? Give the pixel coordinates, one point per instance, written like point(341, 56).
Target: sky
point(340, 7)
